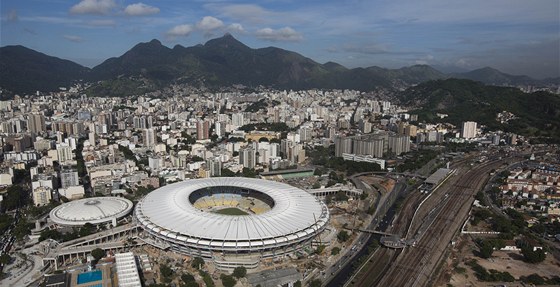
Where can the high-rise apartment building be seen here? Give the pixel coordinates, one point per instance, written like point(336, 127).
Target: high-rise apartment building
point(42, 196)
point(399, 144)
point(468, 130)
point(203, 130)
point(149, 137)
point(248, 157)
point(36, 123)
point(237, 119)
point(69, 178)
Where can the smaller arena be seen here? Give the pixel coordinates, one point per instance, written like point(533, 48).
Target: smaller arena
point(94, 210)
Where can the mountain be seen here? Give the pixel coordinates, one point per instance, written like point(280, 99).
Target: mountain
point(148, 59)
point(538, 114)
point(24, 70)
point(223, 61)
point(492, 76)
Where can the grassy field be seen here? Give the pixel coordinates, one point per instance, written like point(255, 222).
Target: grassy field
point(231, 211)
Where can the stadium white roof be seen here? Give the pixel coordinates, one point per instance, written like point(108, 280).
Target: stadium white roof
point(168, 211)
point(94, 210)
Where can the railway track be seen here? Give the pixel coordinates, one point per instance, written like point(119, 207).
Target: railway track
point(414, 266)
point(381, 260)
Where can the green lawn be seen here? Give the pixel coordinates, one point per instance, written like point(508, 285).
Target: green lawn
point(231, 211)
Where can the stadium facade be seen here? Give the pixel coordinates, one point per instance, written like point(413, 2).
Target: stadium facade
point(189, 218)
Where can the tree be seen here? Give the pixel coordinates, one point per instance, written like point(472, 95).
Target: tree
point(197, 263)
point(533, 279)
point(166, 273)
point(486, 249)
point(341, 196)
point(297, 284)
point(315, 283)
point(239, 272)
point(228, 280)
point(196, 158)
point(320, 249)
point(186, 277)
point(328, 199)
point(249, 172)
point(335, 251)
point(226, 172)
point(342, 236)
point(5, 259)
point(97, 253)
point(207, 279)
point(86, 229)
point(363, 196)
point(533, 256)
point(50, 233)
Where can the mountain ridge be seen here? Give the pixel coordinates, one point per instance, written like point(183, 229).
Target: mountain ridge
point(537, 114)
point(226, 61)
point(41, 72)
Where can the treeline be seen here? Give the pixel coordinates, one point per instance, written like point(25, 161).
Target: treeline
point(417, 159)
point(538, 113)
point(322, 156)
point(491, 275)
point(275, 127)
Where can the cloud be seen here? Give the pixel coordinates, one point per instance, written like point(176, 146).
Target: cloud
point(12, 16)
point(52, 20)
point(474, 11)
point(283, 34)
point(242, 12)
point(464, 63)
point(371, 49)
point(180, 31)
point(98, 7)
point(140, 9)
point(101, 23)
point(235, 28)
point(209, 24)
point(72, 38)
point(424, 60)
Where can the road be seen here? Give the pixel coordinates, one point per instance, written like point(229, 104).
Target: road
point(337, 274)
point(380, 260)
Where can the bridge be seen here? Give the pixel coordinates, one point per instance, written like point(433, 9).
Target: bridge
point(391, 240)
point(348, 189)
point(114, 239)
point(388, 173)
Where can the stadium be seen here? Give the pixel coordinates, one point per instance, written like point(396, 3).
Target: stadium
point(94, 210)
point(233, 221)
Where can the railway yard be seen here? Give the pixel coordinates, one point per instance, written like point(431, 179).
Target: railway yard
point(431, 222)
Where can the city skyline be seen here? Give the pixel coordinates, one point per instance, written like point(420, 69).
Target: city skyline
point(515, 37)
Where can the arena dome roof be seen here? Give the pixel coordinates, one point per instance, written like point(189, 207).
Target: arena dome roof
point(294, 215)
point(94, 210)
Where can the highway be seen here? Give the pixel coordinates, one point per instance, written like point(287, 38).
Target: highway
point(380, 260)
point(415, 266)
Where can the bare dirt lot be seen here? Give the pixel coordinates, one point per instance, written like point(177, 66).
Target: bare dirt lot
point(386, 184)
point(457, 273)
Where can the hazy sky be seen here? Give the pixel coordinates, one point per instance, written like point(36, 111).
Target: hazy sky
point(515, 36)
